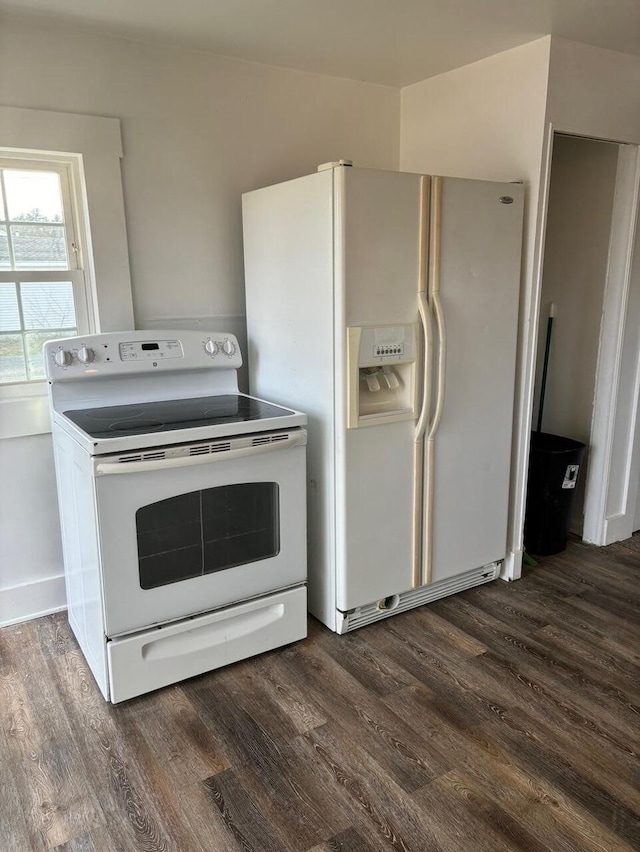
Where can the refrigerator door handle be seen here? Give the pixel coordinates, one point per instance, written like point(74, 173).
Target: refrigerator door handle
point(429, 486)
point(434, 292)
point(424, 311)
point(425, 318)
point(442, 361)
point(434, 296)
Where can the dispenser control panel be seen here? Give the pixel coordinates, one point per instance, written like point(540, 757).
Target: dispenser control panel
point(381, 374)
point(387, 344)
point(381, 349)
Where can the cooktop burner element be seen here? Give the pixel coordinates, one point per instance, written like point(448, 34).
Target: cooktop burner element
point(125, 427)
point(171, 415)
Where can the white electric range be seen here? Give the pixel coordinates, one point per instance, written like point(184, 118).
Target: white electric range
point(182, 505)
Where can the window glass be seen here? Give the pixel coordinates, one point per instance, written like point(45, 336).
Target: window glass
point(13, 367)
point(48, 305)
point(37, 246)
point(33, 196)
point(5, 260)
point(207, 531)
point(40, 311)
point(9, 312)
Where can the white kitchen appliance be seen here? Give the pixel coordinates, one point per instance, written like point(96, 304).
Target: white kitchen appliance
point(182, 504)
point(386, 305)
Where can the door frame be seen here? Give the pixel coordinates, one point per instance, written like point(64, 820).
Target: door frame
point(614, 455)
point(617, 296)
point(512, 565)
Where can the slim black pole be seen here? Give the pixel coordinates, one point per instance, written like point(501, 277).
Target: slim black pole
point(547, 347)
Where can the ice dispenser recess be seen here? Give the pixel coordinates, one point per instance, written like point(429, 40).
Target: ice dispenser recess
point(382, 374)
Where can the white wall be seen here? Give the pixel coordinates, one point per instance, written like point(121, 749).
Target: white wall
point(594, 92)
point(198, 130)
point(487, 121)
point(31, 570)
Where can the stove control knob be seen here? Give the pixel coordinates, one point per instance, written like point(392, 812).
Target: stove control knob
point(228, 347)
point(86, 355)
point(210, 347)
point(63, 358)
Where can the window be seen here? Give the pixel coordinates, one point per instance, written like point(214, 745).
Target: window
point(42, 287)
point(83, 152)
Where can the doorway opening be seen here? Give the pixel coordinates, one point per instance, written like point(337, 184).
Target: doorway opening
point(590, 225)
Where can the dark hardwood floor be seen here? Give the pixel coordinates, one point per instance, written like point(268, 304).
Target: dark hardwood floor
point(504, 718)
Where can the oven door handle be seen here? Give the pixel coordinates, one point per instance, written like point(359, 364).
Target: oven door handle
point(108, 468)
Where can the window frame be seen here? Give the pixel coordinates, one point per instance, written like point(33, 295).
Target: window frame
point(91, 146)
point(76, 252)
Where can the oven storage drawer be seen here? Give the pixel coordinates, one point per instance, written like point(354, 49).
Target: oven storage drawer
point(164, 655)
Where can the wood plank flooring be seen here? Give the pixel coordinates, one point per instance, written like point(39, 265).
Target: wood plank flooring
point(504, 719)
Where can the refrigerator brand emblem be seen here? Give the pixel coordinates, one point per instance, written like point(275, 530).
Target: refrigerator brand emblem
point(506, 199)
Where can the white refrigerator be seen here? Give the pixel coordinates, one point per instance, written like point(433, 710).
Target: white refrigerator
point(385, 305)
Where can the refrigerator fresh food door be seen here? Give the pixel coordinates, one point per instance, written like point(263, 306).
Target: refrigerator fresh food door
point(468, 463)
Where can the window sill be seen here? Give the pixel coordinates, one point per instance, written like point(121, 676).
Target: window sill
point(21, 416)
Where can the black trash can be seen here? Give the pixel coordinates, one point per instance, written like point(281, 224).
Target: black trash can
point(554, 467)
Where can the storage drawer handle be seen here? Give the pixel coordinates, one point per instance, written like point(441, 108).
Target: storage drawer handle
point(208, 635)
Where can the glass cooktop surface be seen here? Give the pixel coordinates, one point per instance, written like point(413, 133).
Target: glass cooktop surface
point(115, 421)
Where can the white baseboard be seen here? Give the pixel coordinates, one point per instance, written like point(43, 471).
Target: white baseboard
point(617, 528)
point(32, 600)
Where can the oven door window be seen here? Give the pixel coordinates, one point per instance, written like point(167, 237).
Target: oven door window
point(207, 531)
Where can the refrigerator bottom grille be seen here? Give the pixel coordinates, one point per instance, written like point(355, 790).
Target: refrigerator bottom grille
point(377, 610)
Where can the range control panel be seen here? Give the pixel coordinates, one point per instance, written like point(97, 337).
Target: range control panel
point(137, 352)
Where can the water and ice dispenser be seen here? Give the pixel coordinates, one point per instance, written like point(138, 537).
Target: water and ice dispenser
point(382, 374)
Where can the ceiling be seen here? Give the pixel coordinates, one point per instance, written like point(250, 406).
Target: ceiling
point(393, 42)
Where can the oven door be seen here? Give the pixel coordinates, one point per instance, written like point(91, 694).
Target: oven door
point(187, 529)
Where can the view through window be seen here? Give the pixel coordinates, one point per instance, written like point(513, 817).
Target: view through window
point(39, 275)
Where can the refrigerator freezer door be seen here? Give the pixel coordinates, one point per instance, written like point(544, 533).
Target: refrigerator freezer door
point(381, 216)
point(480, 247)
point(378, 254)
point(376, 530)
